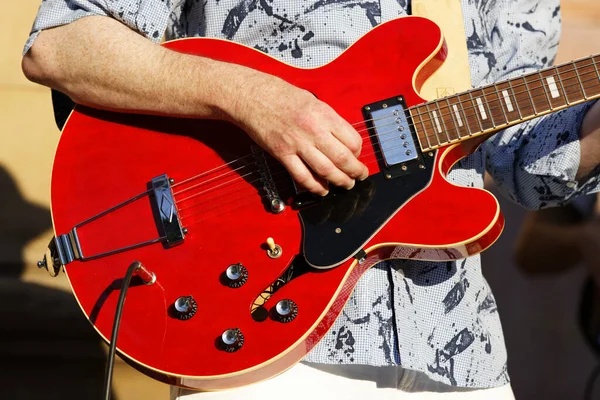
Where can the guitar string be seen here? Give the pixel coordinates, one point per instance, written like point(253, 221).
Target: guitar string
point(500, 107)
point(251, 182)
point(250, 173)
point(274, 164)
point(583, 92)
point(442, 115)
point(525, 83)
point(254, 189)
point(482, 89)
point(204, 214)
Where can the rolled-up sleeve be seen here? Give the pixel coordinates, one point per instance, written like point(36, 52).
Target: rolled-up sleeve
point(148, 17)
point(535, 164)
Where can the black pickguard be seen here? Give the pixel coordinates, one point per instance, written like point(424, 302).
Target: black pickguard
point(337, 227)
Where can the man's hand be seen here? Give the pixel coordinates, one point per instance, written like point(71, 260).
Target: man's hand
point(302, 132)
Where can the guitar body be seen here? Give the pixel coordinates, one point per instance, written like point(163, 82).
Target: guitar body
point(104, 158)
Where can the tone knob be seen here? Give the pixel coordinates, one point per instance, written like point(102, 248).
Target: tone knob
point(232, 340)
point(185, 307)
point(236, 275)
point(286, 310)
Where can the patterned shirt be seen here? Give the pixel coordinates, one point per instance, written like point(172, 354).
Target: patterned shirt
point(437, 318)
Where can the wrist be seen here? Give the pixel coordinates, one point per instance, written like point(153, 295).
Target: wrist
point(590, 142)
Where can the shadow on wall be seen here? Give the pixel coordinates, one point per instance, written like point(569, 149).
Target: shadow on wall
point(48, 350)
point(20, 222)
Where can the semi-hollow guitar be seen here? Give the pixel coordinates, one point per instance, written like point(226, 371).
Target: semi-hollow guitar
point(245, 271)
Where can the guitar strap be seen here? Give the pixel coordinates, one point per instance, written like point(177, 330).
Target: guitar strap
point(454, 75)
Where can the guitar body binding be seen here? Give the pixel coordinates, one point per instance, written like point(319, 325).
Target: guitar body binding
point(105, 158)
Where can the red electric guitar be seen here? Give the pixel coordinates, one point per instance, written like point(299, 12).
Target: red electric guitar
point(246, 272)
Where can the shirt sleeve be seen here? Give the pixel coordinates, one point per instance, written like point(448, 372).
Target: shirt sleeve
point(534, 163)
point(148, 17)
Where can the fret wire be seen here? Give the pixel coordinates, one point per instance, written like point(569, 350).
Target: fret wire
point(528, 93)
point(413, 117)
point(434, 124)
point(475, 111)
point(596, 68)
point(525, 83)
point(545, 91)
point(464, 115)
point(424, 129)
point(477, 133)
point(488, 107)
point(515, 97)
point(443, 122)
point(413, 125)
point(500, 102)
point(562, 85)
point(453, 118)
point(575, 67)
point(571, 85)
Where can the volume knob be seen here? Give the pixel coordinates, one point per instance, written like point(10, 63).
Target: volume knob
point(286, 310)
point(232, 340)
point(236, 275)
point(185, 307)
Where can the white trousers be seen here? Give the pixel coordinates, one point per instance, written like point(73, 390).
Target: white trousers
point(307, 381)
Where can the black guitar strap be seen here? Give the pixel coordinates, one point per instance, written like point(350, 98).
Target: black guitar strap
point(63, 105)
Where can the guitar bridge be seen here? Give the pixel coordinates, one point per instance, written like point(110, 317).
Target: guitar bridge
point(67, 247)
point(276, 204)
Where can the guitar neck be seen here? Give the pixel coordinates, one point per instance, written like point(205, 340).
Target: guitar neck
point(490, 108)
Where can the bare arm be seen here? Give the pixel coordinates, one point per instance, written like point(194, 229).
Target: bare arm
point(99, 62)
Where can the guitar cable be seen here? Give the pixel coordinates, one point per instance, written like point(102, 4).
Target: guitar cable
point(110, 360)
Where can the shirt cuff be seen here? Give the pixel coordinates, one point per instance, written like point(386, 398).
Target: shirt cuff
point(556, 159)
point(148, 17)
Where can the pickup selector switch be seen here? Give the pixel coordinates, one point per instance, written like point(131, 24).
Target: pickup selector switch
point(236, 275)
point(285, 310)
point(232, 340)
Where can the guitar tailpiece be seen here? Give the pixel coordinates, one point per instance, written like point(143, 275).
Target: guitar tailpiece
point(51, 260)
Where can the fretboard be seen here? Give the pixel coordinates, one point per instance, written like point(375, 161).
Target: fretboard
point(490, 108)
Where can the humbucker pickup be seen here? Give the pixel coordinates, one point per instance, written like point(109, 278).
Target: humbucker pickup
point(392, 131)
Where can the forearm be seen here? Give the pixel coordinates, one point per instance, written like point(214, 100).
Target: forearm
point(590, 142)
point(98, 61)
